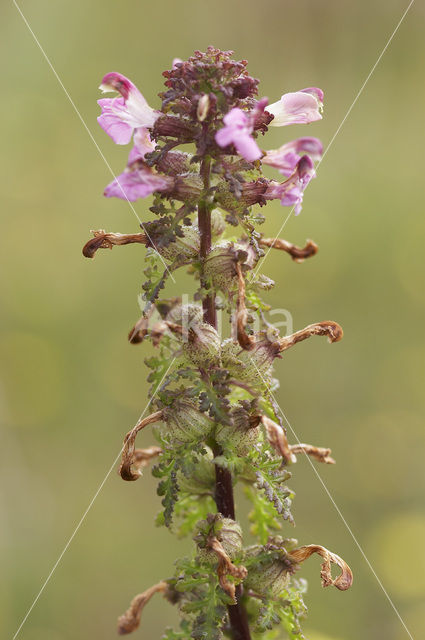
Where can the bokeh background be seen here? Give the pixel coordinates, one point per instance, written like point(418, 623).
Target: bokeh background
point(71, 385)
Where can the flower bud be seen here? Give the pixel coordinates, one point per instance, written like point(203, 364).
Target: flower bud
point(219, 265)
point(174, 163)
point(226, 531)
point(203, 107)
point(187, 315)
point(187, 188)
point(253, 365)
point(218, 223)
point(184, 423)
point(271, 574)
point(181, 129)
point(202, 478)
point(185, 248)
point(202, 345)
point(242, 434)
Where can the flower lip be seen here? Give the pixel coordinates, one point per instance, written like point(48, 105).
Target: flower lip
point(237, 130)
point(291, 192)
point(137, 182)
point(286, 158)
point(316, 92)
point(115, 81)
point(299, 107)
point(122, 115)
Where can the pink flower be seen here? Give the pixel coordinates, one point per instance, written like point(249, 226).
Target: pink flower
point(237, 130)
point(122, 115)
point(142, 145)
point(291, 192)
point(136, 182)
point(300, 107)
point(288, 155)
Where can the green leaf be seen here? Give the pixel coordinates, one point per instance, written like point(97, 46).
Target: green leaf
point(284, 611)
point(189, 509)
point(264, 517)
point(270, 478)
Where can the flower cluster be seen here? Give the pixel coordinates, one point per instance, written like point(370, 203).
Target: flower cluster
point(225, 105)
point(216, 421)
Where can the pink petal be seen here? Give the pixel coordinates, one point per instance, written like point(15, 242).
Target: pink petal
point(142, 145)
point(224, 137)
point(300, 107)
point(235, 118)
point(132, 107)
point(135, 184)
point(247, 148)
point(112, 122)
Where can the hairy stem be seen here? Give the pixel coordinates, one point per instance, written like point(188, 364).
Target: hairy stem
point(223, 479)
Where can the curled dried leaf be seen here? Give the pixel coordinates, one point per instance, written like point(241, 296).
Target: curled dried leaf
point(341, 582)
point(128, 458)
point(246, 341)
point(130, 620)
point(226, 568)
point(298, 254)
point(327, 328)
point(321, 454)
point(142, 457)
point(138, 333)
point(104, 240)
point(277, 438)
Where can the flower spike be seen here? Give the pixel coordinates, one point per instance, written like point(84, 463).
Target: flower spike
point(217, 422)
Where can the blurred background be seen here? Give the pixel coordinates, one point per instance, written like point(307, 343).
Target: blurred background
point(71, 385)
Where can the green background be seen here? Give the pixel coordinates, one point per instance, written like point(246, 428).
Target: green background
point(70, 384)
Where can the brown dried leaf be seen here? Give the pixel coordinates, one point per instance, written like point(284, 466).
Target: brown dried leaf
point(128, 458)
point(103, 240)
point(142, 457)
point(277, 438)
point(327, 328)
point(226, 568)
point(130, 620)
point(246, 341)
point(341, 582)
point(297, 254)
point(320, 454)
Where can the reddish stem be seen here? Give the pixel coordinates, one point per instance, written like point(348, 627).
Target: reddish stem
point(223, 483)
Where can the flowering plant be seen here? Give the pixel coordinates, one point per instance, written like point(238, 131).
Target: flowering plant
point(217, 423)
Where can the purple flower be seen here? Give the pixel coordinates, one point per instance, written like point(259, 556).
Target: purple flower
point(122, 115)
point(237, 130)
point(291, 192)
point(300, 107)
point(288, 155)
point(136, 182)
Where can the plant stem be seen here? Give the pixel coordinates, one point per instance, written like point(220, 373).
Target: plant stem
point(223, 479)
